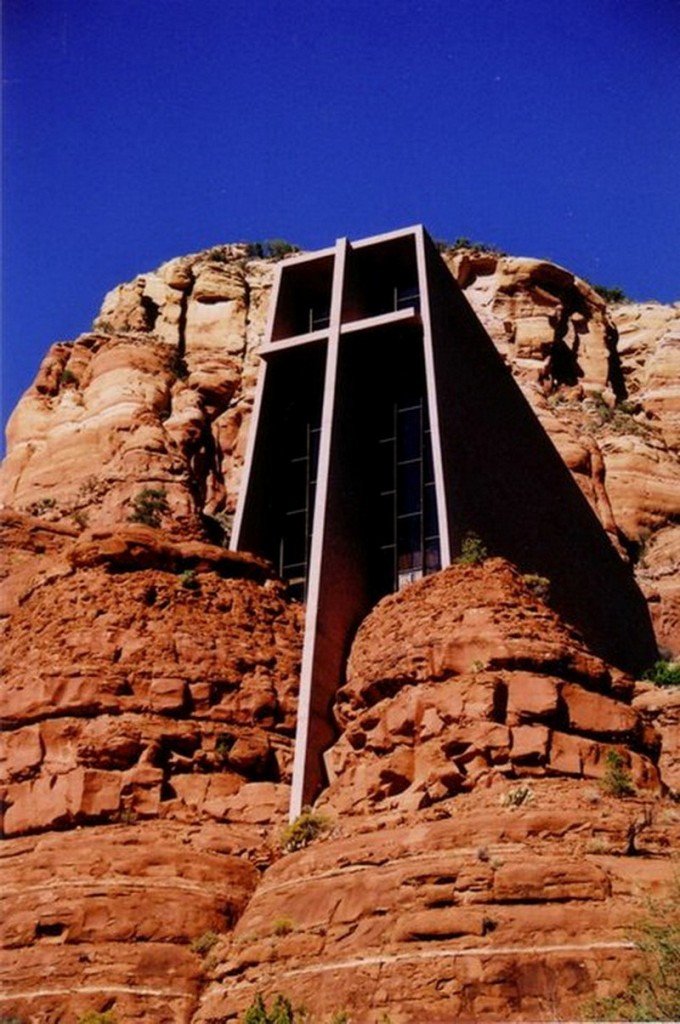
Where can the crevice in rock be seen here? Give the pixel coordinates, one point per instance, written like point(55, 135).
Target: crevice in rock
point(615, 370)
point(49, 929)
point(500, 702)
point(182, 320)
point(151, 311)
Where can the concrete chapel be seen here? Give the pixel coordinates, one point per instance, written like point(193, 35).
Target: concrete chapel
point(386, 427)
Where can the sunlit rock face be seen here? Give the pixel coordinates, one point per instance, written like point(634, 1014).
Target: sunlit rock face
point(158, 397)
point(149, 691)
point(474, 866)
point(476, 863)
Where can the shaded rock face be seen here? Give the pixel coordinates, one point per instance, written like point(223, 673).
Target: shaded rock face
point(149, 699)
point(159, 396)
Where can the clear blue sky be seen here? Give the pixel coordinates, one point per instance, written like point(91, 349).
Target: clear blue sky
point(136, 130)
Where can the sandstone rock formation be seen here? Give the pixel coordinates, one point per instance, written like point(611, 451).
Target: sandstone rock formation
point(478, 866)
point(158, 396)
point(466, 677)
point(149, 696)
point(475, 866)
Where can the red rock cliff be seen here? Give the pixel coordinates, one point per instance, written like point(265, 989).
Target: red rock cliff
point(475, 867)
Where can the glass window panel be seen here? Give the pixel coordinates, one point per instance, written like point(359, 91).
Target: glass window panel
point(295, 571)
point(431, 526)
point(407, 296)
point(297, 590)
point(432, 556)
point(386, 466)
point(319, 317)
point(408, 434)
point(297, 445)
point(314, 437)
point(294, 538)
point(409, 495)
point(296, 485)
point(409, 535)
point(386, 516)
point(428, 468)
point(409, 561)
point(387, 569)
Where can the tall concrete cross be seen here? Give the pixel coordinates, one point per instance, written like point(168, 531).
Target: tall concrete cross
point(351, 326)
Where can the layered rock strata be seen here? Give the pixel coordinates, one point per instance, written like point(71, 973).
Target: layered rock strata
point(158, 396)
point(479, 864)
point(475, 866)
point(149, 697)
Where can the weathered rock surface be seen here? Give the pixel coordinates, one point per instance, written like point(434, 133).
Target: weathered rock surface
point(106, 916)
point(474, 910)
point(475, 868)
point(159, 396)
point(466, 678)
point(149, 697)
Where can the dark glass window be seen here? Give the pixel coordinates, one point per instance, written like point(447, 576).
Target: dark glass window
point(406, 296)
point(409, 487)
point(319, 318)
point(409, 433)
point(408, 532)
point(299, 483)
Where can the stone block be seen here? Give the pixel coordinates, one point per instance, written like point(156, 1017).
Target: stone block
point(168, 695)
point(441, 923)
point(530, 697)
point(529, 744)
point(596, 714)
point(549, 879)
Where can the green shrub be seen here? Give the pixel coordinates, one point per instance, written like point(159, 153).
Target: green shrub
point(466, 243)
point(281, 1012)
point(664, 673)
point(278, 247)
point(149, 506)
point(653, 994)
point(472, 550)
point(67, 377)
point(202, 944)
point(613, 295)
point(517, 796)
point(617, 780)
point(40, 507)
point(188, 580)
point(539, 585)
point(217, 253)
point(10, 1020)
point(282, 926)
point(300, 833)
point(95, 1017)
point(224, 745)
point(272, 247)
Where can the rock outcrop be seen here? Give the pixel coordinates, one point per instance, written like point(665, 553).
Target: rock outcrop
point(149, 698)
point(478, 863)
point(158, 397)
point(467, 677)
point(481, 863)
